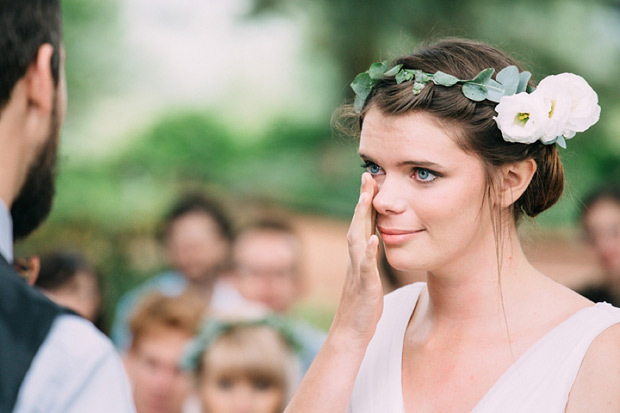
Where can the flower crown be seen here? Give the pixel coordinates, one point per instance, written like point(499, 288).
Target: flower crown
point(214, 328)
point(556, 110)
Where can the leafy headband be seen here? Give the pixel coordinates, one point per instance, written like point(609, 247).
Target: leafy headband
point(561, 105)
point(214, 328)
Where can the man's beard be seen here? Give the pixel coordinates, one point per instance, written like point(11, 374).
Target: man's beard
point(34, 201)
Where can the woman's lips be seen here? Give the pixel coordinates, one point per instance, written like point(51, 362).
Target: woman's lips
point(392, 236)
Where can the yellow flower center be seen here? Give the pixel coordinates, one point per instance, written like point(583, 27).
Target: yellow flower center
point(523, 116)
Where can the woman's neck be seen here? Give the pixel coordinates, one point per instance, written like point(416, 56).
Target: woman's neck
point(470, 293)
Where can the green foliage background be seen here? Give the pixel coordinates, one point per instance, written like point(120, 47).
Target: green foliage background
point(108, 207)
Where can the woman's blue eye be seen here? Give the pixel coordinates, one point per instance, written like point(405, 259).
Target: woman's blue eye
point(372, 168)
point(424, 175)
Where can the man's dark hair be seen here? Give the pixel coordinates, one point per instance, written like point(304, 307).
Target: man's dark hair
point(25, 25)
point(197, 203)
point(608, 191)
point(59, 268)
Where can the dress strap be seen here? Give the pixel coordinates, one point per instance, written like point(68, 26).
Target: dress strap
point(542, 378)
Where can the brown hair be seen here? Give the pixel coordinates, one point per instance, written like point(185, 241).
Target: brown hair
point(473, 123)
point(157, 311)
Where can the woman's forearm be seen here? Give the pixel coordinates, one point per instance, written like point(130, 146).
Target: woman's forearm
point(328, 384)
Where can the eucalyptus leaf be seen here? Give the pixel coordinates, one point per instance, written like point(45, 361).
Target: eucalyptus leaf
point(362, 83)
point(509, 78)
point(483, 76)
point(393, 71)
point(495, 91)
point(444, 79)
point(524, 77)
point(417, 87)
point(474, 91)
point(377, 70)
point(559, 140)
point(404, 76)
point(358, 105)
point(422, 77)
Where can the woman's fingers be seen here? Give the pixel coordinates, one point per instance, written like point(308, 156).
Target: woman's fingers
point(362, 222)
point(369, 273)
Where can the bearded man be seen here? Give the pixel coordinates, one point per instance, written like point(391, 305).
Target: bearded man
point(50, 359)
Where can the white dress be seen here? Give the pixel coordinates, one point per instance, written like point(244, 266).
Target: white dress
point(539, 381)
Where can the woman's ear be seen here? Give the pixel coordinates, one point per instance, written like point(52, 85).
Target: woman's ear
point(515, 178)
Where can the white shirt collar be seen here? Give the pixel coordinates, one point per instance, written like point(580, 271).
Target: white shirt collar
point(6, 233)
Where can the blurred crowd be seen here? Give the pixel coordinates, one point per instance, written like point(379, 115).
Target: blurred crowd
point(214, 332)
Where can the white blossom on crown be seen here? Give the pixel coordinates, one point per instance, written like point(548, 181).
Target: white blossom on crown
point(574, 105)
point(522, 117)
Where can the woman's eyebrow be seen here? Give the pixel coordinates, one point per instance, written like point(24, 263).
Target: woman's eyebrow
point(423, 164)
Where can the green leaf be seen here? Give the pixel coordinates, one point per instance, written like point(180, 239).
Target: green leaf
point(483, 76)
point(495, 91)
point(444, 79)
point(475, 91)
point(417, 87)
point(362, 83)
point(358, 105)
point(422, 77)
point(509, 78)
point(393, 71)
point(524, 77)
point(561, 142)
point(404, 76)
point(377, 70)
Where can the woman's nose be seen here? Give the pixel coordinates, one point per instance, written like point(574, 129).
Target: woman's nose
point(390, 197)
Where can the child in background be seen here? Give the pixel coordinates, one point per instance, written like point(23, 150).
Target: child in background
point(243, 366)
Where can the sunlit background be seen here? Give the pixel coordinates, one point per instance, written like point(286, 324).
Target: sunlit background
point(235, 97)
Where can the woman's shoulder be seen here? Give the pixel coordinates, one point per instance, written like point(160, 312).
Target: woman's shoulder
point(597, 385)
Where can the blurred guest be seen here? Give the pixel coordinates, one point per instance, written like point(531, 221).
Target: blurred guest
point(600, 218)
point(196, 236)
point(68, 280)
point(267, 262)
point(161, 326)
point(243, 366)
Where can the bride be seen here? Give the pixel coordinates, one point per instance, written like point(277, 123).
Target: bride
point(453, 158)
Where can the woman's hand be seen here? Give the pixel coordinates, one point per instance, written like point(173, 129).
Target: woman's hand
point(328, 384)
point(361, 302)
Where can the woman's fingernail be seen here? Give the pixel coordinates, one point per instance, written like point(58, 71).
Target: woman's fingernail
point(359, 201)
point(363, 177)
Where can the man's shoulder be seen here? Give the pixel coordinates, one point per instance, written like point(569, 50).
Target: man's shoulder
point(76, 337)
point(76, 366)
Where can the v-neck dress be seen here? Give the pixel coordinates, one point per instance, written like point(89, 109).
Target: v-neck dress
point(539, 381)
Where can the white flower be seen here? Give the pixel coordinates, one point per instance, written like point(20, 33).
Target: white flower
point(574, 105)
point(522, 117)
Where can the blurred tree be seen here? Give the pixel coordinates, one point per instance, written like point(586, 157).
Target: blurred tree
point(90, 70)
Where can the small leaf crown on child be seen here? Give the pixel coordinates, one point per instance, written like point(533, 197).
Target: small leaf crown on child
point(213, 328)
point(556, 110)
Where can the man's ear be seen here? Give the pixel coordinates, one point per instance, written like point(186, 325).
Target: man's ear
point(40, 88)
point(516, 178)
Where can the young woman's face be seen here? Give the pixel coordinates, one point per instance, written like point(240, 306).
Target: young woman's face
point(430, 202)
point(239, 395)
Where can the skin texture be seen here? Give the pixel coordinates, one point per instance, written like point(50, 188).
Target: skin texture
point(158, 385)
point(267, 269)
point(239, 395)
point(470, 324)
